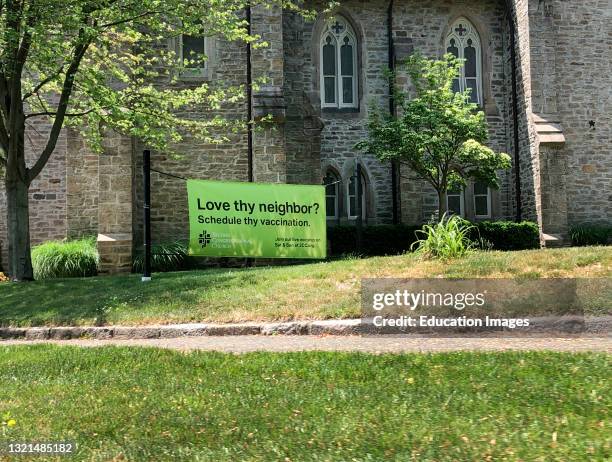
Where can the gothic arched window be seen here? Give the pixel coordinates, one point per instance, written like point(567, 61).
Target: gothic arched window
point(332, 194)
point(338, 65)
point(463, 41)
point(352, 202)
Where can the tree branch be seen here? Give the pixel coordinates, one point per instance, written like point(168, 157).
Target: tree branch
point(79, 52)
point(54, 114)
point(133, 18)
point(43, 82)
point(20, 59)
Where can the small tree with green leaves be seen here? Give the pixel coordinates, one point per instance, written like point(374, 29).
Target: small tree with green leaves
point(438, 133)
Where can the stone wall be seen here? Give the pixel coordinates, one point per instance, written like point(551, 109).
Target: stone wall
point(528, 137)
point(331, 134)
point(417, 26)
point(115, 204)
point(563, 74)
point(196, 159)
point(82, 176)
point(269, 143)
point(565, 95)
point(303, 123)
point(582, 49)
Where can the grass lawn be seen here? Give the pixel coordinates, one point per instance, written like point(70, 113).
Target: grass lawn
point(314, 291)
point(141, 404)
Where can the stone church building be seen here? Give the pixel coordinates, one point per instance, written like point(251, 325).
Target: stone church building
point(539, 69)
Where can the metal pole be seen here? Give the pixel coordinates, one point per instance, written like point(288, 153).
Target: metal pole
point(249, 96)
point(146, 176)
point(359, 208)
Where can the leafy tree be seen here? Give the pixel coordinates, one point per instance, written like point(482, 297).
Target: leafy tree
point(96, 65)
point(438, 133)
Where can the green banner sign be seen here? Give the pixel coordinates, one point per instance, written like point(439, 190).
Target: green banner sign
point(228, 219)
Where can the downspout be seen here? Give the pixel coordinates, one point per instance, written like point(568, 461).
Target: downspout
point(515, 110)
point(249, 93)
point(395, 184)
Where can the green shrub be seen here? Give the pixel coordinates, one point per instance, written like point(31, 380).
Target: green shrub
point(377, 240)
point(505, 235)
point(171, 256)
point(590, 234)
point(447, 239)
point(396, 239)
point(65, 259)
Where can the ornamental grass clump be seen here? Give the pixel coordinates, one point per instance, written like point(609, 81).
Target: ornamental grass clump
point(65, 259)
point(171, 256)
point(590, 234)
point(444, 240)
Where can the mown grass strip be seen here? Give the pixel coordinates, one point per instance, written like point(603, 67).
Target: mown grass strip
point(149, 404)
point(315, 291)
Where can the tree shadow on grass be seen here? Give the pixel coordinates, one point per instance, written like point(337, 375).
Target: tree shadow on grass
point(90, 300)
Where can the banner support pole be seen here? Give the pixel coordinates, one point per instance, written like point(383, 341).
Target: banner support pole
point(359, 221)
point(146, 176)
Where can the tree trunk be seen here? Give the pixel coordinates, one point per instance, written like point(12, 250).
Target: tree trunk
point(20, 260)
point(441, 204)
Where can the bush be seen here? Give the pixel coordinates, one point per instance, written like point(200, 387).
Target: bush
point(447, 239)
point(377, 240)
point(590, 234)
point(506, 235)
point(65, 259)
point(381, 240)
point(164, 257)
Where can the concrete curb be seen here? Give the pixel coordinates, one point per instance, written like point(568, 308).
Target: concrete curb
point(332, 327)
point(598, 325)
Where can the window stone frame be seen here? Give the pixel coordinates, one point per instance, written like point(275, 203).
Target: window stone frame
point(488, 102)
point(339, 38)
point(175, 44)
point(317, 33)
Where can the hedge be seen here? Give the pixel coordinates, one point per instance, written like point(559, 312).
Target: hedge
point(396, 239)
point(507, 235)
point(376, 240)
